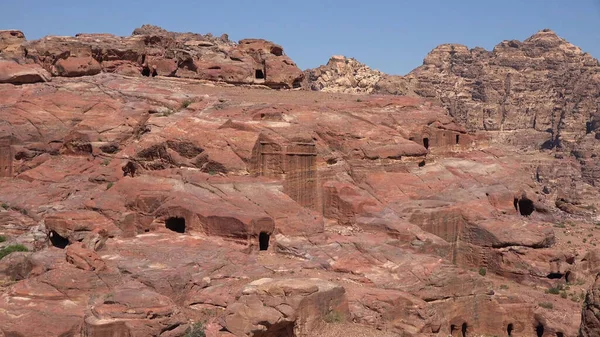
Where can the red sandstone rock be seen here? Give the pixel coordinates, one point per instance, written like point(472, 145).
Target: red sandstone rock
point(83, 258)
point(76, 66)
point(12, 72)
point(233, 185)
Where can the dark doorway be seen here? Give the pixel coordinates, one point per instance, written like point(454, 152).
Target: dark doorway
point(421, 163)
point(539, 329)
point(509, 329)
point(176, 224)
point(588, 127)
point(525, 206)
point(58, 241)
point(555, 276)
point(147, 72)
point(457, 138)
point(464, 330)
point(426, 143)
point(453, 330)
point(263, 240)
point(259, 75)
point(560, 334)
point(570, 277)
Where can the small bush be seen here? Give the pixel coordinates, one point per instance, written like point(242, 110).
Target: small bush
point(23, 211)
point(11, 249)
point(333, 317)
point(546, 305)
point(186, 104)
point(555, 290)
point(503, 286)
point(560, 225)
point(5, 206)
point(2, 238)
point(359, 100)
point(563, 294)
point(105, 162)
point(195, 330)
point(482, 271)
point(111, 184)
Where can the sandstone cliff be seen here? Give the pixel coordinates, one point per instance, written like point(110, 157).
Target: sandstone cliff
point(544, 84)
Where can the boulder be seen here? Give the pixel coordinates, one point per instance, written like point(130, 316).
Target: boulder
point(15, 73)
point(295, 307)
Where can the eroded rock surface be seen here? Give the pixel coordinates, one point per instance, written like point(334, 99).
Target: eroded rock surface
point(150, 204)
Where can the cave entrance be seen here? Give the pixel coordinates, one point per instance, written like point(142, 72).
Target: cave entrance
point(560, 334)
point(509, 329)
point(147, 72)
point(259, 74)
point(284, 329)
point(263, 240)
point(176, 224)
point(426, 143)
point(555, 276)
point(524, 206)
point(463, 329)
point(539, 329)
point(588, 127)
point(453, 330)
point(457, 139)
point(58, 241)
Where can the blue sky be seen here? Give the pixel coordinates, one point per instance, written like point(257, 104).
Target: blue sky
point(393, 35)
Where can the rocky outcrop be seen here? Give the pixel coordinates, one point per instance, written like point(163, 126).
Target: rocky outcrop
point(346, 75)
point(153, 51)
point(343, 75)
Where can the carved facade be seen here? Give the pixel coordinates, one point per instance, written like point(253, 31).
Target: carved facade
point(295, 163)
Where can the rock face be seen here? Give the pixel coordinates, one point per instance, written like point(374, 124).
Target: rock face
point(540, 93)
point(152, 51)
point(543, 84)
point(150, 205)
point(590, 315)
point(285, 307)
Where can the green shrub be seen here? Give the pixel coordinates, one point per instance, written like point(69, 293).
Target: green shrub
point(2, 238)
point(186, 104)
point(111, 184)
point(546, 305)
point(105, 162)
point(563, 294)
point(555, 290)
point(195, 330)
point(333, 317)
point(5, 206)
point(503, 286)
point(482, 271)
point(11, 249)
